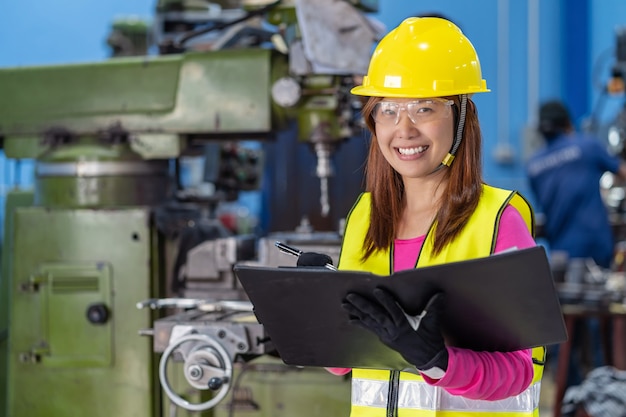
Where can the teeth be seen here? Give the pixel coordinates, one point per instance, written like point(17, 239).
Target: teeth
point(412, 151)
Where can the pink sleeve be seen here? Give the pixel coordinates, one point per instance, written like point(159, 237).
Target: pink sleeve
point(339, 371)
point(492, 375)
point(513, 231)
point(486, 375)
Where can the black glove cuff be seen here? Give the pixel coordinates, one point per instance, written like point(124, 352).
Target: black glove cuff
point(439, 361)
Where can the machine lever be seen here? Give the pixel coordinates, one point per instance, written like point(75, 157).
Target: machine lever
point(191, 303)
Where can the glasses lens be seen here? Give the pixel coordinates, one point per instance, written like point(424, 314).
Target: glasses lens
point(419, 111)
point(386, 112)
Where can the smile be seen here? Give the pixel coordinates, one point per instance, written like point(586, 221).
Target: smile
point(412, 151)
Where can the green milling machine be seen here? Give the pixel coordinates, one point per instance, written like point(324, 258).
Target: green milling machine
point(109, 248)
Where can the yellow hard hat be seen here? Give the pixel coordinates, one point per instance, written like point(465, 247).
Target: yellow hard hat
point(423, 57)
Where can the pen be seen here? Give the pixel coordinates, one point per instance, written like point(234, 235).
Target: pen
point(297, 252)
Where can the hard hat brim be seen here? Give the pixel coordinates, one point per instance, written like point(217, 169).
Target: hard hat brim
point(361, 90)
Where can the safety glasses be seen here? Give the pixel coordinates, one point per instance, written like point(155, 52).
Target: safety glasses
point(419, 111)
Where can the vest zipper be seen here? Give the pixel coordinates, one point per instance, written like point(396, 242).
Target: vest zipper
point(392, 395)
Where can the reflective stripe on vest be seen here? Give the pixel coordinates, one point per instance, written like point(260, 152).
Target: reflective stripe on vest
point(418, 395)
point(477, 239)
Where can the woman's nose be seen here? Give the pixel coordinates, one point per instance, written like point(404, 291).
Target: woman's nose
point(405, 126)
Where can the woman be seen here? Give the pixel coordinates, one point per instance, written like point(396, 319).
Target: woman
point(426, 204)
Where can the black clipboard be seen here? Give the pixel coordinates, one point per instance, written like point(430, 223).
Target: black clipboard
point(503, 302)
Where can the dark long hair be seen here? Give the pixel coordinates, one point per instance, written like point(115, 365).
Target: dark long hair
point(387, 189)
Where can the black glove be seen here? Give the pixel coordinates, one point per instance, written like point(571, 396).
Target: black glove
point(314, 259)
point(417, 338)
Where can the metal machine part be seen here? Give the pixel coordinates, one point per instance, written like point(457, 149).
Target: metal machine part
point(166, 106)
point(95, 173)
point(176, 18)
point(213, 335)
point(217, 357)
point(613, 134)
point(328, 243)
point(286, 92)
point(204, 270)
point(101, 229)
point(336, 38)
point(324, 170)
point(232, 323)
point(614, 190)
point(333, 40)
point(200, 304)
point(75, 276)
point(206, 366)
point(326, 117)
point(332, 43)
point(129, 37)
point(207, 340)
point(582, 281)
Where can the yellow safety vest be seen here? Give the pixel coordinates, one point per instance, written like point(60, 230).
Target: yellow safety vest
point(382, 393)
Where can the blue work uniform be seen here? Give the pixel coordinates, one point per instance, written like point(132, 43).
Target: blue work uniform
point(564, 176)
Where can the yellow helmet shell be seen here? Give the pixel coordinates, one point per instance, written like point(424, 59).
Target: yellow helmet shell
point(423, 57)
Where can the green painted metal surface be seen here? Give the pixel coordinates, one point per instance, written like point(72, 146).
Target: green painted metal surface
point(129, 181)
point(266, 387)
point(64, 288)
point(14, 200)
point(48, 93)
point(217, 94)
point(60, 363)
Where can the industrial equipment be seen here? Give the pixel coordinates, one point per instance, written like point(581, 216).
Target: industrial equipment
point(614, 133)
point(109, 224)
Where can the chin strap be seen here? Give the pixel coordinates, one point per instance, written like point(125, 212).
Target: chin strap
point(447, 161)
point(459, 132)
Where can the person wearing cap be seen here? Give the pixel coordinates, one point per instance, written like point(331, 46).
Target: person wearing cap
point(426, 204)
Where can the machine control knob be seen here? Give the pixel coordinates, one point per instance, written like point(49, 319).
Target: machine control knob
point(215, 383)
point(97, 313)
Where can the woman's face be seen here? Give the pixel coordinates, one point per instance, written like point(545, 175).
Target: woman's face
point(414, 135)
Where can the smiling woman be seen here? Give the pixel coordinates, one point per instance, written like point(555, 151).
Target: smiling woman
point(426, 204)
point(414, 145)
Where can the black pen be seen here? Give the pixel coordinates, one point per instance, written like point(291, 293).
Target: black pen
point(297, 252)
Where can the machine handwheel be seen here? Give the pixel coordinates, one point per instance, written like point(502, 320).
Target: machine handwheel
point(207, 366)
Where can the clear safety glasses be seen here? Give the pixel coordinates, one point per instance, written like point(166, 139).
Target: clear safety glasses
point(419, 111)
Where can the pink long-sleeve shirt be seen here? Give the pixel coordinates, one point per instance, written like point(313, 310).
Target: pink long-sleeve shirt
point(478, 375)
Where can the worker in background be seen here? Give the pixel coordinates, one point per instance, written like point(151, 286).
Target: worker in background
point(565, 179)
point(426, 204)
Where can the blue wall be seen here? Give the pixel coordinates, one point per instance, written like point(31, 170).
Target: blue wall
point(42, 32)
point(530, 50)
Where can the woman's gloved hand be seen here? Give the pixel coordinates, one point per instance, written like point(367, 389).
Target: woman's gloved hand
point(417, 338)
point(314, 259)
